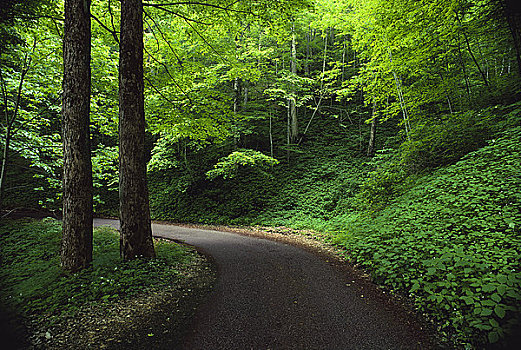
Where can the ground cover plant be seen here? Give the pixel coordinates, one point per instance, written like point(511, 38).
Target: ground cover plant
point(452, 242)
point(32, 282)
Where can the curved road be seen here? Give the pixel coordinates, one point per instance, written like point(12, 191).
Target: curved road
point(271, 295)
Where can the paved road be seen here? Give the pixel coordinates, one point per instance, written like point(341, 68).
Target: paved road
point(271, 295)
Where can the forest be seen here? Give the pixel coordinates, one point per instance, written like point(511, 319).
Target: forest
point(390, 129)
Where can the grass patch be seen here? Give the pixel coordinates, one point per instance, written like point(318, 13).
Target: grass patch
point(32, 282)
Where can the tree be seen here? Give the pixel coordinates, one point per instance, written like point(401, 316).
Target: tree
point(136, 232)
point(11, 116)
point(292, 107)
point(76, 249)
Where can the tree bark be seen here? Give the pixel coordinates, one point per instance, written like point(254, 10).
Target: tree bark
point(513, 19)
point(76, 247)
point(292, 100)
point(136, 232)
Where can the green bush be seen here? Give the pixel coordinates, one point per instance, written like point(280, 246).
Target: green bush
point(453, 243)
point(443, 140)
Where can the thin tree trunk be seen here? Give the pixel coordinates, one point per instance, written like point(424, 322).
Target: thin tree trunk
point(245, 97)
point(372, 136)
point(513, 26)
point(470, 51)
point(4, 165)
point(306, 64)
point(292, 100)
point(236, 95)
point(400, 98)
point(463, 66)
point(321, 94)
point(344, 53)
point(474, 59)
point(136, 233)
point(271, 137)
point(76, 247)
point(10, 120)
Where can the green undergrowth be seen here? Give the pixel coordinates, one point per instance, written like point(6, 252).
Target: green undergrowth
point(32, 281)
point(453, 243)
point(436, 218)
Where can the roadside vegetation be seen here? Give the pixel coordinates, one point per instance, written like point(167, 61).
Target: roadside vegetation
point(34, 289)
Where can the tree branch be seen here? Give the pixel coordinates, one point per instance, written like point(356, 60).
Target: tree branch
point(114, 33)
point(164, 37)
point(206, 42)
point(225, 8)
point(170, 75)
point(160, 93)
point(179, 15)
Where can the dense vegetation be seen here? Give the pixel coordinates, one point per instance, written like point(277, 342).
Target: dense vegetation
point(393, 127)
point(33, 284)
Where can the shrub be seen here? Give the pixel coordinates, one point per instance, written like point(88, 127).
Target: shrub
point(453, 243)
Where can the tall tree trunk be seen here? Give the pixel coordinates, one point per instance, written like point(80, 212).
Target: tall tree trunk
point(306, 63)
point(372, 136)
point(5, 155)
point(400, 98)
point(321, 93)
point(76, 247)
point(513, 19)
point(292, 100)
point(136, 232)
point(463, 66)
point(467, 42)
point(236, 93)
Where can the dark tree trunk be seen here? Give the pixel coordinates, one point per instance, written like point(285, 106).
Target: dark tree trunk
point(136, 233)
point(513, 18)
point(76, 248)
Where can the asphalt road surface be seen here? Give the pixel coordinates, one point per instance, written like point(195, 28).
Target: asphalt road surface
point(271, 295)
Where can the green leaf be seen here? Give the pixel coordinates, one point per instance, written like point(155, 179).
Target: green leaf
point(493, 337)
point(499, 311)
point(488, 302)
point(488, 287)
point(431, 271)
point(496, 297)
point(501, 289)
point(486, 312)
point(468, 300)
point(415, 287)
point(494, 323)
point(502, 279)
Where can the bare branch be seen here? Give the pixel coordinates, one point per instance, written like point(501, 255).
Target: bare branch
point(225, 8)
point(152, 30)
point(114, 33)
point(171, 77)
point(111, 17)
point(61, 19)
point(179, 15)
point(160, 93)
point(205, 41)
point(4, 95)
point(164, 37)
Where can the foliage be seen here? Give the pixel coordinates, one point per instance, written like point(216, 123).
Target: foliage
point(31, 275)
point(452, 243)
point(228, 166)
